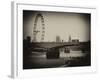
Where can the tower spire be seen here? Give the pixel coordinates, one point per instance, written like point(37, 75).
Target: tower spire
point(69, 38)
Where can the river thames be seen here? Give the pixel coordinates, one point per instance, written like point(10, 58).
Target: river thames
point(72, 59)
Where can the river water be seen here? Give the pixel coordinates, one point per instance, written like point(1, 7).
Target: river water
point(39, 60)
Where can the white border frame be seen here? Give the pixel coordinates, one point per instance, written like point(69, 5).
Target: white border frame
point(17, 37)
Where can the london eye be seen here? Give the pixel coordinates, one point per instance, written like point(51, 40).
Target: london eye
point(38, 29)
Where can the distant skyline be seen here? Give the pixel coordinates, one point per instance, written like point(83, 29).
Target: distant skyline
point(63, 24)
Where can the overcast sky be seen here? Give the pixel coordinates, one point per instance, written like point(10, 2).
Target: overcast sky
point(62, 24)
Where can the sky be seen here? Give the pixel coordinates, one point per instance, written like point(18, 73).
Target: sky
point(63, 24)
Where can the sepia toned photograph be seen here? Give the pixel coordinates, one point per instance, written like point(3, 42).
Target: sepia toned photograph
point(56, 39)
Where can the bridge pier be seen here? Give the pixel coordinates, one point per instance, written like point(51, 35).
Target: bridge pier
point(53, 53)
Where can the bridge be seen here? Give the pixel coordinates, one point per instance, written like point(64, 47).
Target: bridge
point(52, 48)
point(53, 44)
